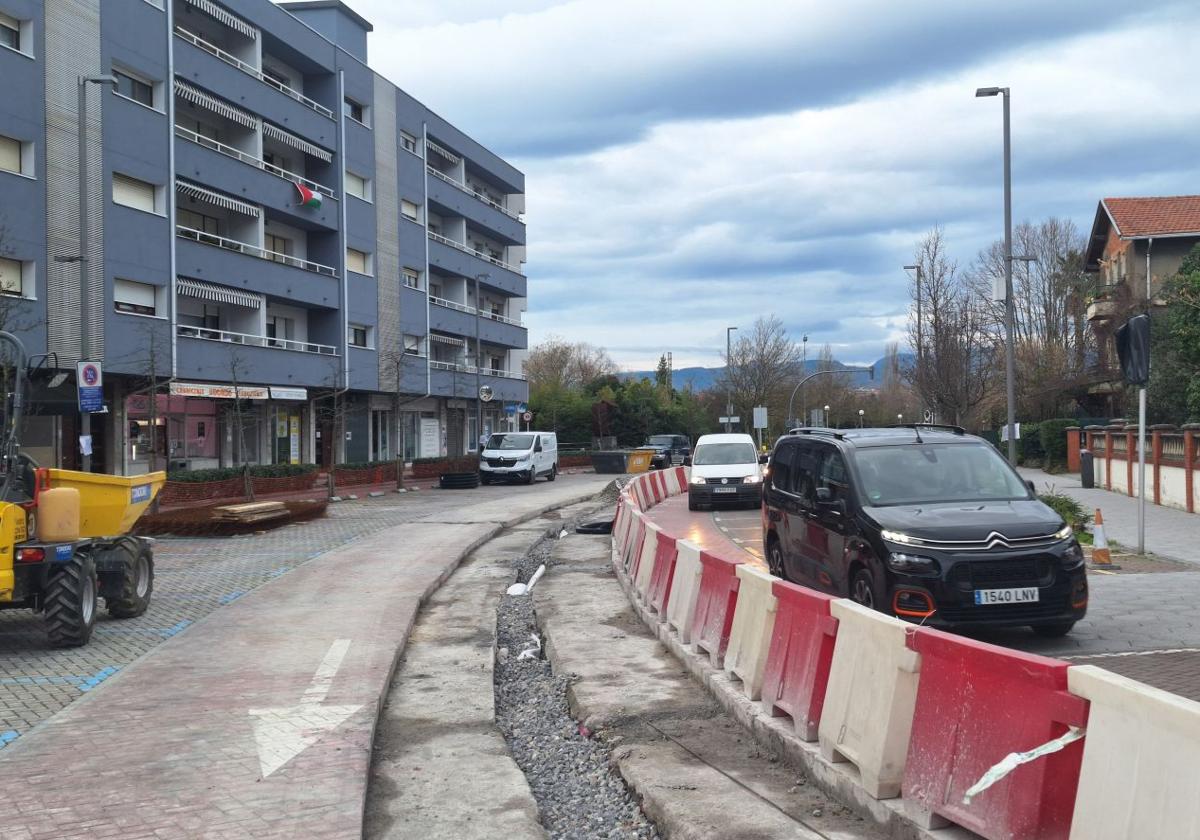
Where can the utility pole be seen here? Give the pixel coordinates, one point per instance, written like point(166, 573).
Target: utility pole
point(478, 365)
point(728, 380)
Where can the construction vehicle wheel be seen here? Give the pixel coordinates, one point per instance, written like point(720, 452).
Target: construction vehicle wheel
point(70, 602)
point(137, 580)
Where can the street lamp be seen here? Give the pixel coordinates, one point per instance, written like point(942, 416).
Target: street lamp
point(827, 423)
point(1009, 363)
point(728, 381)
point(860, 418)
point(920, 344)
point(900, 419)
point(478, 365)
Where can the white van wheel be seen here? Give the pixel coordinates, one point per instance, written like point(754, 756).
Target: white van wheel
point(553, 473)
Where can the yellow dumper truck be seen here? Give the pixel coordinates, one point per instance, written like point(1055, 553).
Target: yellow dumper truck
point(63, 534)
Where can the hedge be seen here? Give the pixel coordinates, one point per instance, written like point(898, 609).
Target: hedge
point(1029, 446)
point(433, 467)
point(1052, 435)
point(255, 471)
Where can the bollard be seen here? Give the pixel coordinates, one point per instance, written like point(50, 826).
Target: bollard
point(1087, 469)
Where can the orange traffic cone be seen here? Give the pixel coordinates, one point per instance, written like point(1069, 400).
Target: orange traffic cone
point(1100, 553)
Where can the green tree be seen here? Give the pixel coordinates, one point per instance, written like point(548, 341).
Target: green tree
point(1175, 346)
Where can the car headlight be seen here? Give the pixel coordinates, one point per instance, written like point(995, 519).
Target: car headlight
point(1073, 557)
point(751, 479)
point(912, 563)
point(897, 537)
point(1064, 533)
point(697, 480)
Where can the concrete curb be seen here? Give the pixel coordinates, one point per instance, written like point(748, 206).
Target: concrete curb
point(776, 735)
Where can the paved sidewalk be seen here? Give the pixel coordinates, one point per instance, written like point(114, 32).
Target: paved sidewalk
point(1169, 532)
point(258, 721)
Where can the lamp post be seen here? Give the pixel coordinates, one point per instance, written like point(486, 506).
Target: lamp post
point(869, 371)
point(728, 380)
point(1010, 364)
point(827, 423)
point(920, 343)
point(900, 419)
point(85, 328)
point(478, 365)
point(860, 418)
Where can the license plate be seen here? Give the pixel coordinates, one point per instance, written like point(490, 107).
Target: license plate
point(1021, 595)
point(724, 489)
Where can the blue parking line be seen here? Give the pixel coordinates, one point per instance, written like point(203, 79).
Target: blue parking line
point(97, 678)
point(178, 628)
point(277, 572)
point(232, 596)
point(8, 737)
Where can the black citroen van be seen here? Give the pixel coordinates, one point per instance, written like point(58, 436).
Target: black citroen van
point(926, 523)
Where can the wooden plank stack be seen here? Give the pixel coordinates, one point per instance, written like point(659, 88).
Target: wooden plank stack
point(249, 513)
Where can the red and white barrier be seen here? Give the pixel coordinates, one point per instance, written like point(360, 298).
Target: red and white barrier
point(715, 604)
point(644, 564)
point(868, 711)
point(659, 593)
point(798, 661)
point(685, 586)
point(750, 635)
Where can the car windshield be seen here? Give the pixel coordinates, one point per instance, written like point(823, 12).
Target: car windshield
point(714, 454)
point(660, 440)
point(507, 442)
point(928, 473)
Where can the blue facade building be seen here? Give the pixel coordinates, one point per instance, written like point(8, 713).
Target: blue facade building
point(288, 258)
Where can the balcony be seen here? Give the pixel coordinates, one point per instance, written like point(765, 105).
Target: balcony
point(450, 197)
point(1101, 310)
point(455, 258)
point(461, 186)
point(459, 319)
point(462, 367)
point(437, 237)
point(253, 250)
point(250, 160)
point(206, 334)
point(451, 380)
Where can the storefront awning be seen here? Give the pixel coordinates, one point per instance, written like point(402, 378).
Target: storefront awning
point(445, 339)
point(296, 142)
point(219, 392)
point(228, 18)
point(219, 294)
point(217, 199)
point(214, 104)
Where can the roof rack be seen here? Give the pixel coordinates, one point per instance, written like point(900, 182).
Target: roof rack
point(958, 430)
point(806, 430)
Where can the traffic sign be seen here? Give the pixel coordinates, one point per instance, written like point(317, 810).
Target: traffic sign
point(734, 419)
point(760, 417)
point(89, 386)
point(485, 393)
point(527, 416)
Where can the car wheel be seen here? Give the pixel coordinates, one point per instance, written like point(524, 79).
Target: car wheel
point(692, 503)
point(775, 559)
point(531, 477)
point(553, 473)
point(484, 478)
point(863, 590)
point(1054, 631)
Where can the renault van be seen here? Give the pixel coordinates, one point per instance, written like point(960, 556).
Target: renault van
point(520, 456)
point(929, 524)
point(725, 470)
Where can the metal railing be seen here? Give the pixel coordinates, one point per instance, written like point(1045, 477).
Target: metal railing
point(470, 310)
point(238, 154)
point(469, 191)
point(437, 237)
point(251, 70)
point(465, 368)
point(207, 334)
point(450, 304)
point(252, 250)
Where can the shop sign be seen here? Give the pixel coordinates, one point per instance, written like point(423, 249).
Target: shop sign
point(218, 392)
point(300, 394)
point(294, 439)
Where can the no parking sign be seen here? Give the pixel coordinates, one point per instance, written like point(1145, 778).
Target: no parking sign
point(89, 384)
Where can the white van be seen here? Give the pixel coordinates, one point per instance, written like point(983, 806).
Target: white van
point(520, 455)
point(725, 469)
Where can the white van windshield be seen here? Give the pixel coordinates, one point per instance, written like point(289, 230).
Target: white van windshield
point(509, 442)
point(716, 454)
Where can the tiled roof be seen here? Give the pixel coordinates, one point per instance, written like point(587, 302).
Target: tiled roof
point(1157, 216)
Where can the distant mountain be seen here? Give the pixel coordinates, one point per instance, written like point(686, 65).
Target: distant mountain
point(702, 378)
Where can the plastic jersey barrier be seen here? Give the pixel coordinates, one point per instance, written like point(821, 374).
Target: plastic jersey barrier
point(685, 587)
point(976, 703)
point(624, 518)
point(801, 651)
point(869, 701)
point(658, 486)
point(1140, 760)
point(633, 546)
point(640, 493)
point(671, 477)
point(659, 593)
point(715, 605)
point(645, 562)
point(631, 527)
point(750, 634)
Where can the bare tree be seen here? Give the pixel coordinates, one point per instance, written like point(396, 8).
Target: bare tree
point(557, 365)
point(761, 365)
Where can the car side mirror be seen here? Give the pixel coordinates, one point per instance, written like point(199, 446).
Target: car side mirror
point(1032, 487)
point(763, 459)
point(826, 502)
point(537, 448)
point(687, 460)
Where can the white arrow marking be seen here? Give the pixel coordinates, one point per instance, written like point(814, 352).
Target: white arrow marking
point(284, 732)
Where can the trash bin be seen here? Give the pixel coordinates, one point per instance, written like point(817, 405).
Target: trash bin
point(610, 462)
point(1087, 469)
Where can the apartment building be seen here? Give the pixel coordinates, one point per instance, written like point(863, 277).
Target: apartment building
point(283, 257)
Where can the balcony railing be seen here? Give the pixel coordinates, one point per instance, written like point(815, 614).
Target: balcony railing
point(470, 310)
point(465, 368)
point(437, 237)
point(481, 196)
point(256, 340)
point(238, 154)
point(253, 250)
point(251, 70)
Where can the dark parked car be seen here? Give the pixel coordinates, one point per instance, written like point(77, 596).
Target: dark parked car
point(929, 524)
point(668, 450)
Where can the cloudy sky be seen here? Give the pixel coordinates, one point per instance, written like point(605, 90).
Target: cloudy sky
point(693, 165)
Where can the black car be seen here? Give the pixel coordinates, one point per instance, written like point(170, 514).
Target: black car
point(926, 523)
point(668, 450)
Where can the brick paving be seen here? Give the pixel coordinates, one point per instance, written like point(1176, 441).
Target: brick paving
point(165, 746)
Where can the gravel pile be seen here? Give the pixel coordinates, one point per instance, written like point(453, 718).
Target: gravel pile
point(579, 795)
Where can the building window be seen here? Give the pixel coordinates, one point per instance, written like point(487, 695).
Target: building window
point(277, 160)
point(357, 185)
point(360, 336)
point(354, 110)
point(201, 129)
point(358, 261)
point(408, 142)
point(408, 210)
point(276, 78)
point(279, 246)
point(279, 327)
point(135, 298)
point(12, 275)
point(10, 32)
point(134, 88)
point(413, 345)
point(11, 155)
point(131, 192)
point(412, 278)
point(197, 221)
point(435, 290)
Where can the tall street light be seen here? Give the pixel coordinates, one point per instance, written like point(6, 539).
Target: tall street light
point(920, 344)
point(1010, 365)
point(478, 365)
point(728, 380)
point(860, 418)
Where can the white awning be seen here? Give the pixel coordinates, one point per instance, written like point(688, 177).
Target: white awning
point(438, 150)
point(219, 294)
point(217, 199)
point(445, 339)
point(296, 142)
point(228, 18)
point(212, 103)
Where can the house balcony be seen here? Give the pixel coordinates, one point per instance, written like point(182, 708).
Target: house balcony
point(454, 198)
point(459, 319)
point(220, 355)
point(456, 258)
point(1101, 310)
point(450, 379)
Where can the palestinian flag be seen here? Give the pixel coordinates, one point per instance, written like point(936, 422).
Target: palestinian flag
point(309, 198)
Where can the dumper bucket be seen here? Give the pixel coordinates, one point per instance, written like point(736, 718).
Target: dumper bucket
point(109, 504)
